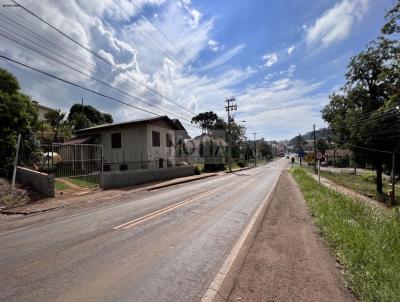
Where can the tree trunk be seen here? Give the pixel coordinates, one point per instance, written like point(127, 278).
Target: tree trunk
point(379, 176)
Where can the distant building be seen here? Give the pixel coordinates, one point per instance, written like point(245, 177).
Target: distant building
point(139, 144)
point(205, 148)
point(42, 110)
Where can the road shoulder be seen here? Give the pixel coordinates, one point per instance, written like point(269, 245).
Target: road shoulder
point(288, 260)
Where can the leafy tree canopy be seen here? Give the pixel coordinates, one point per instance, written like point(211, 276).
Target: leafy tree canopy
point(18, 115)
point(91, 114)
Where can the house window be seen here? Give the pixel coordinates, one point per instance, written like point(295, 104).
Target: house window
point(116, 140)
point(169, 139)
point(156, 138)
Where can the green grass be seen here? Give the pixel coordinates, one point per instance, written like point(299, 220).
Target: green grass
point(365, 240)
point(359, 183)
point(58, 185)
point(83, 182)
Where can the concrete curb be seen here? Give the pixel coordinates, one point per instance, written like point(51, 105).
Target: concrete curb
point(220, 288)
point(156, 187)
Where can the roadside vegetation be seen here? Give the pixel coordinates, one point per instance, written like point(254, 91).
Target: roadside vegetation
point(364, 240)
point(83, 182)
point(363, 183)
point(58, 185)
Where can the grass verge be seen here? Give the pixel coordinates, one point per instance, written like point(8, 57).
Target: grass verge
point(83, 182)
point(360, 184)
point(58, 185)
point(365, 240)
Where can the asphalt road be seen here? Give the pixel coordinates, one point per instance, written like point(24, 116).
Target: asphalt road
point(164, 245)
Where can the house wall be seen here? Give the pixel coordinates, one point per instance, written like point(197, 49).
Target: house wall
point(167, 154)
point(133, 151)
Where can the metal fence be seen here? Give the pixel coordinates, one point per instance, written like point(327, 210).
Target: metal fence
point(72, 160)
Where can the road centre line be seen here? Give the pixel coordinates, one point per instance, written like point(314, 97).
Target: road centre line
point(154, 214)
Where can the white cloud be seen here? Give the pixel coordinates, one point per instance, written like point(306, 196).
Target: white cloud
point(215, 45)
point(283, 108)
point(290, 49)
point(336, 23)
point(227, 56)
point(270, 59)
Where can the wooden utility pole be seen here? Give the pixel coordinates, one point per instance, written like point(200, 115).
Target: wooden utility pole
point(393, 179)
point(15, 163)
point(255, 149)
point(299, 148)
point(315, 151)
point(231, 106)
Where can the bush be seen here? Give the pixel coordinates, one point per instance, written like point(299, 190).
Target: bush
point(241, 164)
point(197, 170)
point(369, 176)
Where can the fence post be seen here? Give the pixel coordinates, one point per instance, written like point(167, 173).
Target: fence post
point(15, 163)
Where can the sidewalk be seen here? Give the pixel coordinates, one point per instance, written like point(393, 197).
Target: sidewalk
point(288, 260)
point(60, 201)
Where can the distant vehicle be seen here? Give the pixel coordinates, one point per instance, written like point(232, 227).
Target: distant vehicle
point(281, 154)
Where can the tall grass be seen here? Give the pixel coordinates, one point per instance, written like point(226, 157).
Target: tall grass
point(365, 240)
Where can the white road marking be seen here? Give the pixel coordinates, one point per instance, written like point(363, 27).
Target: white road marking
point(154, 214)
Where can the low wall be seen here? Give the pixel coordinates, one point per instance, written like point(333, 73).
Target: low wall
point(43, 183)
point(116, 179)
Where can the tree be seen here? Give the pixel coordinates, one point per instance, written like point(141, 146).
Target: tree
point(206, 120)
point(79, 121)
point(91, 114)
point(321, 145)
point(18, 115)
point(55, 118)
point(359, 114)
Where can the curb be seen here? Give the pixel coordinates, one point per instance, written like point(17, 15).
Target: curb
point(156, 187)
point(220, 288)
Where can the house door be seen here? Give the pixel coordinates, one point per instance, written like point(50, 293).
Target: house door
point(161, 163)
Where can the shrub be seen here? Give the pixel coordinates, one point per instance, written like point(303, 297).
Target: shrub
point(241, 164)
point(368, 176)
point(197, 170)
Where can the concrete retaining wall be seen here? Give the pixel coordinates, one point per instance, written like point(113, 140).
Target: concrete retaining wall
point(43, 183)
point(116, 179)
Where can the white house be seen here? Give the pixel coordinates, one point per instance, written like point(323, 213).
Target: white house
point(139, 144)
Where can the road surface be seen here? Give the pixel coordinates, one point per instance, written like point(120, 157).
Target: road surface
point(164, 245)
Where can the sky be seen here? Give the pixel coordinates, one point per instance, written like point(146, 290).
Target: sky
point(279, 59)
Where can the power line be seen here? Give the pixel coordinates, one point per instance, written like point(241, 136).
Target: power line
point(98, 56)
point(70, 67)
point(79, 86)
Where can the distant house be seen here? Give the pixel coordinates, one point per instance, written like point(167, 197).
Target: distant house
point(139, 144)
point(205, 147)
point(337, 156)
point(42, 110)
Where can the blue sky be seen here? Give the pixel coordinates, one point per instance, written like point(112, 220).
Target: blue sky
point(280, 59)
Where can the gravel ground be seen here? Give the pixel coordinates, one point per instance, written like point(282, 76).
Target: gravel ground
point(288, 260)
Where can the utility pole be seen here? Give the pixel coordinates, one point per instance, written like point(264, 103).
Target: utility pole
point(231, 106)
point(82, 107)
point(255, 149)
point(393, 179)
point(15, 163)
point(315, 151)
point(299, 148)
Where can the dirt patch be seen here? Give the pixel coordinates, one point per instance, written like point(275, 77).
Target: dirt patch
point(288, 260)
point(22, 195)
